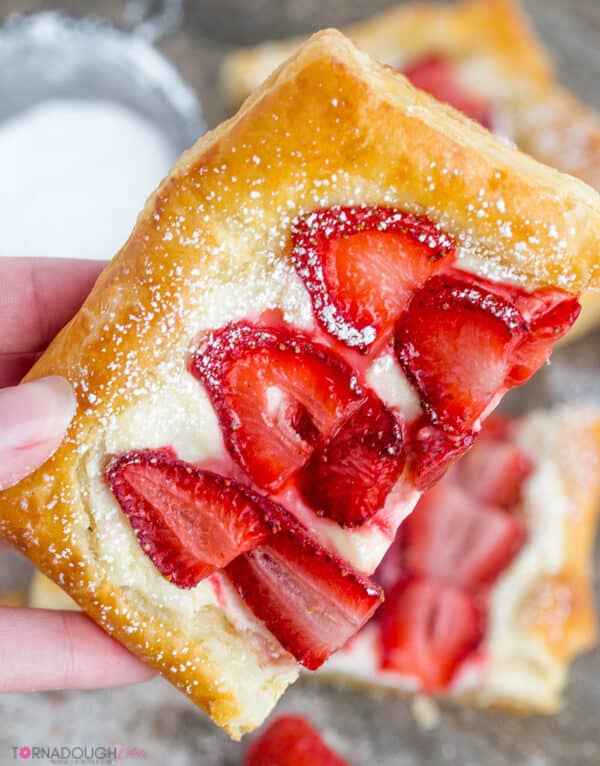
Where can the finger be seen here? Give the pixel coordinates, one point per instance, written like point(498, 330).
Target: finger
point(33, 420)
point(38, 296)
point(43, 649)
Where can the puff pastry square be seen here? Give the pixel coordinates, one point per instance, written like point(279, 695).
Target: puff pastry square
point(255, 415)
point(511, 588)
point(483, 57)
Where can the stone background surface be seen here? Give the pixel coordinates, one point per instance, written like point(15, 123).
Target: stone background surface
point(368, 729)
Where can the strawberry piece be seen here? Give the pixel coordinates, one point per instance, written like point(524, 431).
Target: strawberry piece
point(458, 539)
point(496, 428)
point(427, 630)
point(291, 741)
point(494, 472)
point(310, 601)
point(435, 75)
point(432, 452)
point(350, 475)
point(274, 392)
point(361, 265)
point(455, 343)
point(188, 521)
point(553, 319)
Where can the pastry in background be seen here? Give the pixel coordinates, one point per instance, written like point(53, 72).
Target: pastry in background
point(488, 585)
point(482, 57)
point(45, 594)
point(311, 319)
point(15, 597)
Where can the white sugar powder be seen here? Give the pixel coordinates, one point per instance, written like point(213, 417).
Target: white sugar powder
point(73, 177)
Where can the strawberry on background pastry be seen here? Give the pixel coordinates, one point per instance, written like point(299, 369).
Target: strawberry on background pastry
point(313, 317)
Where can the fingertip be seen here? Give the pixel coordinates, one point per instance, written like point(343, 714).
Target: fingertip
point(34, 417)
point(60, 398)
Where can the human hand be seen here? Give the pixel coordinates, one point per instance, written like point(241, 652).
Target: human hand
point(43, 649)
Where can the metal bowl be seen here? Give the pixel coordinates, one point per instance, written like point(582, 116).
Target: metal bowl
point(51, 55)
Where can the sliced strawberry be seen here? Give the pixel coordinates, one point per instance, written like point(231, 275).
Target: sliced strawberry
point(436, 75)
point(458, 539)
point(274, 392)
point(291, 741)
point(361, 265)
point(432, 452)
point(494, 472)
point(311, 601)
point(455, 343)
point(427, 630)
point(553, 319)
point(188, 521)
point(350, 475)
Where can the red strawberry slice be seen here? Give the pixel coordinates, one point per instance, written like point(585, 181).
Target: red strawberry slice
point(310, 601)
point(428, 628)
point(458, 539)
point(455, 343)
point(496, 428)
point(291, 741)
point(494, 472)
point(188, 521)
point(274, 392)
point(350, 475)
point(436, 75)
point(361, 265)
point(547, 325)
point(432, 452)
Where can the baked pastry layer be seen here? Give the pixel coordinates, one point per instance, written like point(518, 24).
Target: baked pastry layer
point(211, 246)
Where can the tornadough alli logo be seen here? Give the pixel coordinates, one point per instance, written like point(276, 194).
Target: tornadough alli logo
point(78, 755)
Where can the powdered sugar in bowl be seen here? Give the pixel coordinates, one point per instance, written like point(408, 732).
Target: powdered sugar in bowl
point(91, 118)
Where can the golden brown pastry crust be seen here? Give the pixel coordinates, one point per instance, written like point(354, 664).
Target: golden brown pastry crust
point(330, 126)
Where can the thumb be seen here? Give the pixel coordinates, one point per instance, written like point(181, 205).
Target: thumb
point(33, 419)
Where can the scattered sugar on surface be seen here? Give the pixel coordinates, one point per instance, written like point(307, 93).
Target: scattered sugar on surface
point(425, 712)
